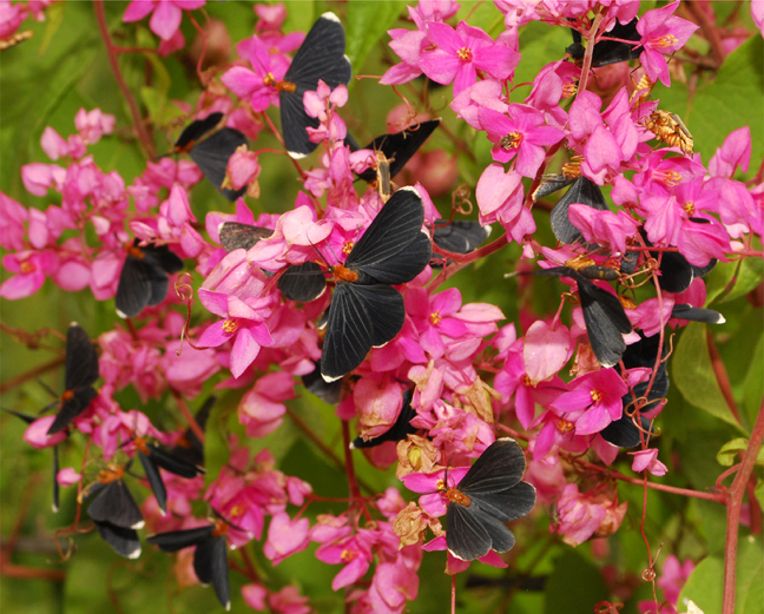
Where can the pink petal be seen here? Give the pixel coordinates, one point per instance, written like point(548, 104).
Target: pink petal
point(137, 10)
point(166, 20)
point(245, 350)
point(545, 350)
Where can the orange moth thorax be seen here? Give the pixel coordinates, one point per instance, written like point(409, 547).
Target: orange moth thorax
point(344, 274)
point(454, 495)
point(112, 473)
point(67, 395)
point(579, 262)
point(141, 445)
point(134, 251)
point(221, 528)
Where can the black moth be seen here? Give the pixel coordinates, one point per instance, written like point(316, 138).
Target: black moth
point(235, 235)
point(56, 492)
point(210, 557)
point(326, 391)
point(211, 154)
point(398, 147)
point(144, 278)
point(624, 432)
point(582, 191)
point(604, 316)
point(152, 457)
point(366, 311)
point(321, 56)
point(189, 449)
point(80, 373)
point(399, 430)
point(608, 51)
point(697, 314)
point(488, 496)
point(115, 513)
point(460, 236)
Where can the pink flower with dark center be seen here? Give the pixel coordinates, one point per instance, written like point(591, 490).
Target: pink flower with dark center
point(462, 53)
point(599, 393)
point(166, 14)
point(521, 132)
point(661, 35)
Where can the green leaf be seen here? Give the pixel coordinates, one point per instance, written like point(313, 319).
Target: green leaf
point(753, 384)
point(694, 377)
point(729, 452)
point(705, 585)
point(367, 23)
point(740, 277)
point(724, 104)
point(574, 586)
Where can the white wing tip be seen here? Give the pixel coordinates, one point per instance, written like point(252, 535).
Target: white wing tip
point(295, 155)
point(138, 525)
point(121, 314)
point(330, 378)
point(330, 16)
point(411, 188)
point(135, 553)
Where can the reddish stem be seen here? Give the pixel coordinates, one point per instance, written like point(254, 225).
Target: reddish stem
point(21, 572)
point(31, 374)
point(710, 30)
point(734, 508)
point(721, 377)
point(355, 492)
point(143, 136)
point(589, 53)
point(188, 416)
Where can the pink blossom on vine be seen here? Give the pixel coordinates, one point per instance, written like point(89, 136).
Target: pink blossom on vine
point(259, 85)
point(611, 230)
point(262, 407)
point(36, 434)
point(500, 197)
point(647, 460)
point(286, 537)
point(29, 270)
point(521, 132)
point(661, 35)
point(460, 53)
point(598, 395)
point(582, 515)
point(165, 14)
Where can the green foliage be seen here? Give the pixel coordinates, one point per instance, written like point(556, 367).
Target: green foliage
point(574, 586)
point(367, 24)
point(725, 103)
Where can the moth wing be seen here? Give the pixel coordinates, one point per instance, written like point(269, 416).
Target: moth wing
point(349, 333)
point(72, 408)
point(499, 467)
point(234, 235)
point(81, 359)
point(211, 567)
point(509, 504)
point(582, 191)
point(172, 463)
point(384, 305)
point(197, 129)
point(460, 236)
point(302, 282)
point(605, 322)
point(155, 480)
point(123, 541)
point(172, 541)
point(114, 503)
point(135, 289)
point(466, 537)
point(399, 147)
point(212, 154)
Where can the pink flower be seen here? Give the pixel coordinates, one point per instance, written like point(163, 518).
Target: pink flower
point(392, 586)
point(605, 228)
point(286, 537)
point(241, 322)
point(30, 270)
point(500, 197)
point(661, 35)
point(522, 131)
point(598, 393)
point(259, 85)
point(67, 476)
point(13, 215)
point(546, 349)
point(166, 17)
point(462, 52)
point(581, 515)
point(647, 460)
point(378, 402)
point(36, 434)
point(262, 407)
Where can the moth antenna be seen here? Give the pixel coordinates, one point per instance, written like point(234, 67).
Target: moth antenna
point(50, 391)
